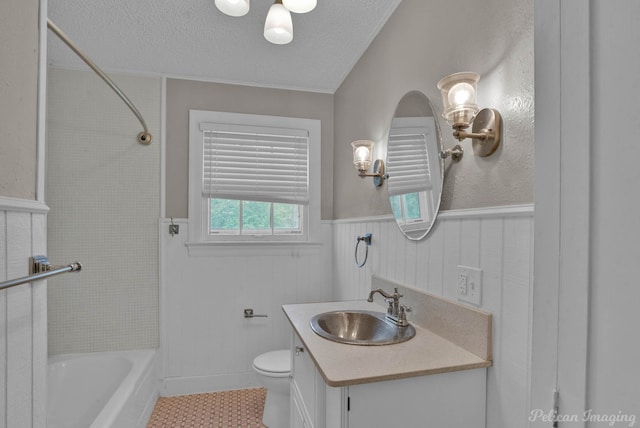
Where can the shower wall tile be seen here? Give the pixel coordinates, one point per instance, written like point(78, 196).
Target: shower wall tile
point(498, 241)
point(103, 189)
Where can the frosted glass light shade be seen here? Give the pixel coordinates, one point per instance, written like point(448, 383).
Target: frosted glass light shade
point(362, 154)
point(233, 7)
point(459, 98)
point(300, 6)
point(278, 27)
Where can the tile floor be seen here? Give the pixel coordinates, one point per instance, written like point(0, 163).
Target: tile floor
point(226, 409)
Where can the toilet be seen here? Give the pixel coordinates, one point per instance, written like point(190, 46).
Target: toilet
point(273, 369)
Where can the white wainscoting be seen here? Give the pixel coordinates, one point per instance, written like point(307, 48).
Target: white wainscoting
point(23, 316)
point(500, 242)
point(206, 343)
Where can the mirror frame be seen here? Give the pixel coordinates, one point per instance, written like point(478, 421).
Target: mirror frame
point(431, 154)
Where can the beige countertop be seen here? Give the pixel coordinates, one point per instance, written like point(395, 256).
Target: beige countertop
point(342, 365)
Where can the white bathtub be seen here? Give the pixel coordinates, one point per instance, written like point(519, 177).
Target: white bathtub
point(101, 390)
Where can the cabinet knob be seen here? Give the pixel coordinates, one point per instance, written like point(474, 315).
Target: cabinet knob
point(299, 349)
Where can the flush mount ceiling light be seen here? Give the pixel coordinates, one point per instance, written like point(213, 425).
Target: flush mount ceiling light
point(362, 158)
point(278, 26)
point(459, 98)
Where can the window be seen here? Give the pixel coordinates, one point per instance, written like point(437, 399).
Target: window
point(411, 208)
point(239, 217)
point(252, 178)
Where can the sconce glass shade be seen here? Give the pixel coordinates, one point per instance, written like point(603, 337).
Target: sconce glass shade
point(233, 7)
point(459, 98)
point(362, 154)
point(300, 6)
point(278, 27)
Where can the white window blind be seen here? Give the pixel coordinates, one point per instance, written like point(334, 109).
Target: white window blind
point(255, 163)
point(408, 163)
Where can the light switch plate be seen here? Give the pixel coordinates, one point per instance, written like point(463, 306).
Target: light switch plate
point(470, 285)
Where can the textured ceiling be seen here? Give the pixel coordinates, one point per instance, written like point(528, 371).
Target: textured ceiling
point(191, 38)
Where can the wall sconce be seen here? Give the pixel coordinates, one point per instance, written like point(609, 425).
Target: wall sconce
point(459, 97)
point(362, 158)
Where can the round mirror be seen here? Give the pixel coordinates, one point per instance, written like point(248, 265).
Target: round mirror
point(414, 165)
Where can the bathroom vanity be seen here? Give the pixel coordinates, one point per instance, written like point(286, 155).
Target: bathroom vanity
point(438, 378)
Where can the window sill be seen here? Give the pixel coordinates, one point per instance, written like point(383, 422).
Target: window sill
point(231, 249)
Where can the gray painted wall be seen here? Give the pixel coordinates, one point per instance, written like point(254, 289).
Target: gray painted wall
point(18, 92)
point(420, 44)
point(183, 95)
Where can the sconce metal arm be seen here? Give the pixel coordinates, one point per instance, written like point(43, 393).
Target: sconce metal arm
point(486, 130)
point(461, 135)
point(364, 174)
point(378, 176)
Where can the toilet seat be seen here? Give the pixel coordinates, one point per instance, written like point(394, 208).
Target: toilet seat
point(273, 363)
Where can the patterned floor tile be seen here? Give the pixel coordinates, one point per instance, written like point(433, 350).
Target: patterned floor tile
point(240, 408)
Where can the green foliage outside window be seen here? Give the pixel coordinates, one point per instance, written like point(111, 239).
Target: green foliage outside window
point(286, 217)
point(224, 214)
point(412, 206)
point(256, 216)
point(406, 207)
point(224, 217)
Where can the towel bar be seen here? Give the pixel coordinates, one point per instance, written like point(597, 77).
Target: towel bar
point(40, 268)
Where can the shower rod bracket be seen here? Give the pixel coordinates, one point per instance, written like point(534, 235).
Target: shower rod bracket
point(40, 264)
point(145, 138)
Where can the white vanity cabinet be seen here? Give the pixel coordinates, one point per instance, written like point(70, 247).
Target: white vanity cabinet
point(455, 399)
point(436, 379)
point(307, 389)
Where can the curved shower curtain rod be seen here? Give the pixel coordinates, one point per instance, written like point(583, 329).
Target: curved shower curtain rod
point(144, 137)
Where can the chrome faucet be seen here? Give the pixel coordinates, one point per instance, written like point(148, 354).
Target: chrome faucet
point(396, 312)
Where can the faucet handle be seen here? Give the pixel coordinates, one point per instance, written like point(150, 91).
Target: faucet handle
point(402, 315)
point(389, 301)
point(404, 308)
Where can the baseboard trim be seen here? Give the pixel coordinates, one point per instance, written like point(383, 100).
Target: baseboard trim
point(201, 384)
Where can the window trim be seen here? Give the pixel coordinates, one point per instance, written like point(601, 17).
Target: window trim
point(198, 220)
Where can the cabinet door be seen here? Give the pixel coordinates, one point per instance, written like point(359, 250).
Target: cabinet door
point(297, 412)
point(304, 377)
point(452, 400)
